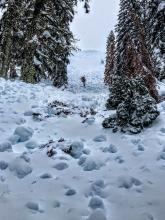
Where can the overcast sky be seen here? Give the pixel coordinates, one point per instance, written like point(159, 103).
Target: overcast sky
point(92, 29)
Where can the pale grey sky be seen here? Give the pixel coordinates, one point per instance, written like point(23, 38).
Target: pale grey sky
point(92, 29)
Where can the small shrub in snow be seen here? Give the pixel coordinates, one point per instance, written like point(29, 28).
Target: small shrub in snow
point(3, 165)
point(6, 146)
point(24, 133)
point(96, 203)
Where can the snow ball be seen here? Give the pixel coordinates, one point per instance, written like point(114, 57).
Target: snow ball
point(20, 167)
point(56, 204)
point(45, 176)
point(97, 215)
point(5, 146)
point(100, 138)
point(96, 203)
point(3, 165)
point(61, 166)
point(76, 149)
point(33, 206)
point(14, 139)
point(31, 145)
point(24, 133)
point(70, 192)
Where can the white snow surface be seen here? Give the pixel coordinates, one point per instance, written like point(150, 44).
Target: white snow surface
point(106, 176)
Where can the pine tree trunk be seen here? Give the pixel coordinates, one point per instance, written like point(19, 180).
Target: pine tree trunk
point(10, 21)
point(28, 70)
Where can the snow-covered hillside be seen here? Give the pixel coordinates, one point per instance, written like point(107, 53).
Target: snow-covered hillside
point(58, 163)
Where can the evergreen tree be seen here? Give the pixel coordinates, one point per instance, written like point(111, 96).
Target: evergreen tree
point(133, 68)
point(9, 28)
point(137, 110)
point(110, 59)
point(156, 28)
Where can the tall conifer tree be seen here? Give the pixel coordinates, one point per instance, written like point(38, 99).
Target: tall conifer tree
point(110, 59)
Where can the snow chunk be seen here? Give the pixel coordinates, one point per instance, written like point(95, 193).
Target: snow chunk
point(70, 192)
point(76, 149)
point(100, 138)
point(46, 176)
point(56, 204)
point(31, 145)
point(20, 167)
point(90, 165)
point(111, 149)
point(14, 139)
point(97, 215)
point(161, 156)
point(96, 203)
point(28, 113)
point(162, 130)
point(6, 146)
point(33, 206)
point(127, 182)
point(24, 133)
point(3, 165)
point(61, 166)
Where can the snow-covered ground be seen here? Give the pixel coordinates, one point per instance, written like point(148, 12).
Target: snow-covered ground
point(93, 174)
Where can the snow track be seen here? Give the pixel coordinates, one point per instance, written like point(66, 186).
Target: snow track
point(93, 174)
